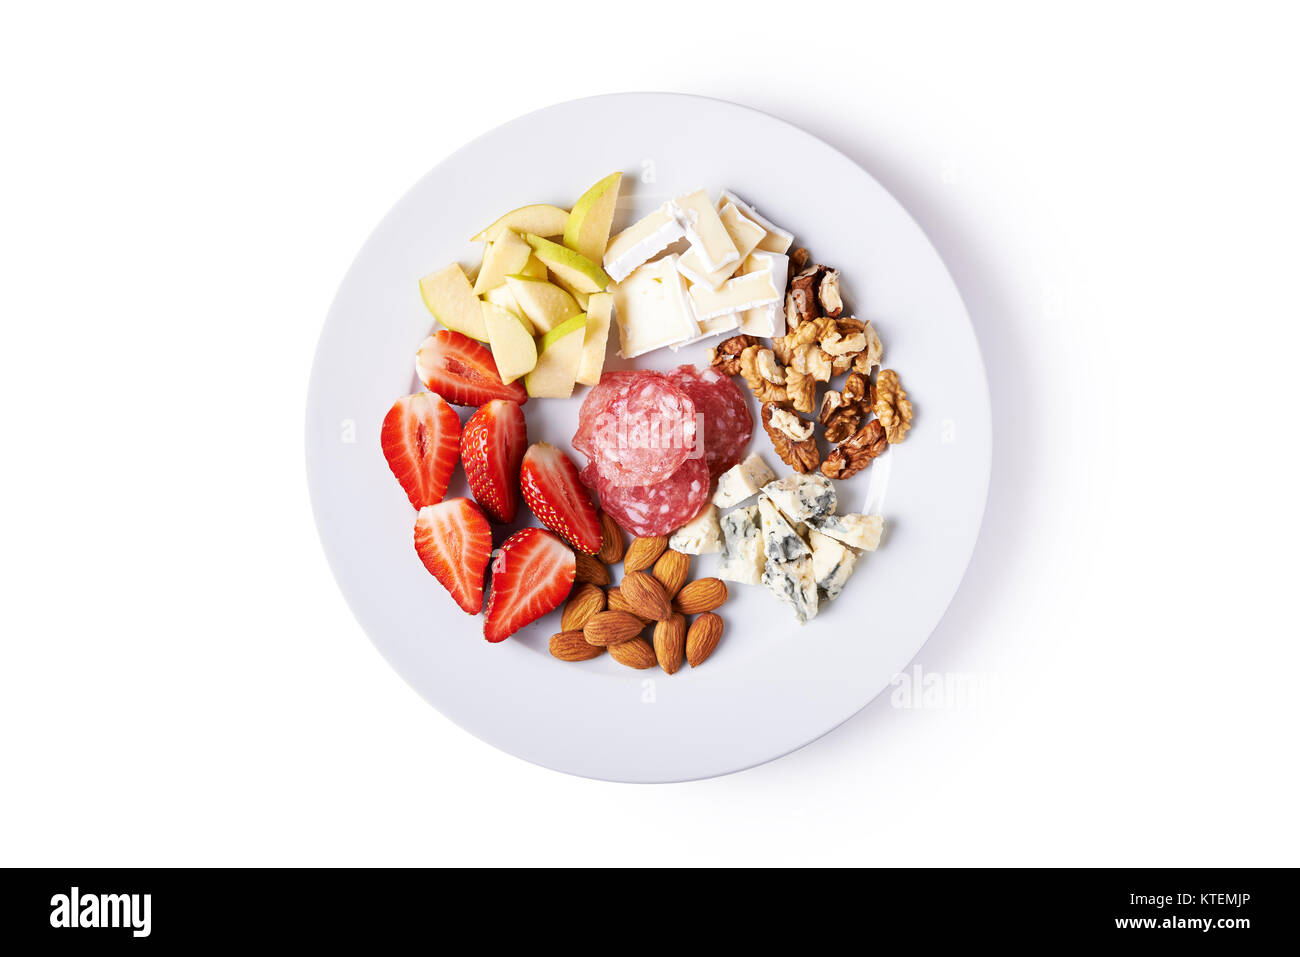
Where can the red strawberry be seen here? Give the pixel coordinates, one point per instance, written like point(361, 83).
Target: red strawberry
point(491, 448)
point(532, 574)
point(421, 439)
point(557, 497)
point(463, 371)
point(454, 541)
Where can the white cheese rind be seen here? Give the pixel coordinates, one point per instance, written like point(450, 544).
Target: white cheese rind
point(702, 535)
point(743, 559)
point(857, 531)
point(794, 583)
point(735, 295)
point(833, 563)
point(802, 497)
point(780, 541)
point(777, 240)
point(641, 242)
point(742, 481)
point(764, 321)
point(651, 309)
point(704, 229)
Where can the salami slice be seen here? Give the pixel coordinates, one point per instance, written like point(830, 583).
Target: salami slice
point(725, 421)
point(660, 508)
point(637, 428)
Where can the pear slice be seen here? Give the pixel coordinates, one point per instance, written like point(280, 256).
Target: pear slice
point(546, 304)
point(534, 268)
point(587, 229)
point(513, 348)
point(503, 297)
point(540, 218)
point(505, 256)
point(580, 297)
point(599, 311)
point(451, 299)
point(557, 360)
point(574, 268)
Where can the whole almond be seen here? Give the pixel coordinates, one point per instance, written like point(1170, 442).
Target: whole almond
point(670, 642)
point(643, 553)
point(672, 570)
point(703, 594)
point(586, 600)
point(589, 569)
point(611, 541)
point(572, 646)
point(645, 596)
point(636, 653)
point(703, 638)
point(611, 627)
point(615, 602)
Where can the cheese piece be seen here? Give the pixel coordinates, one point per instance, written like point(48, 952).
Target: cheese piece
point(702, 535)
point(780, 541)
point(857, 531)
point(742, 547)
point(742, 481)
point(705, 231)
point(745, 234)
point(833, 563)
point(735, 295)
point(802, 497)
point(795, 583)
point(651, 308)
point(711, 327)
point(765, 321)
point(641, 241)
point(777, 239)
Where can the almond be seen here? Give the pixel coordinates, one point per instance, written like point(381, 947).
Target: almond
point(636, 653)
point(586, 600)
point(591, 570)
point(572, 646)
point(672, 570)
point(645, 596)
point(611, 541)
point(670, 642)
point(611, 627)
point(703, 594)
point(643, 553)
point(614, 599)
point(703, 638)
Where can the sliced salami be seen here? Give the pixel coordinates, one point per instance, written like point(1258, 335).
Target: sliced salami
point(725, 421)
point(637, 428)
point(660, 508)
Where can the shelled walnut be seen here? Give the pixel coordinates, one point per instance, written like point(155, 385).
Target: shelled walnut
point(800, 390)
point(801, 300)
point(725, 357)
point(802, 455)
point(855, 453)
point(872, 354)
point(892, 407)
point(842, 412)
point(765, 378)
point(828, 294)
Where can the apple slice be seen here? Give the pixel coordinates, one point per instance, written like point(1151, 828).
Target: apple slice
point(574, 268)
point(513, 348)
point(546, 304)
point(540, 218)
point(534, 268)
point(587, 229)
point(503, 297)
point(505, 256)
point(449, 296)
point(599, 311)
point(557, 360)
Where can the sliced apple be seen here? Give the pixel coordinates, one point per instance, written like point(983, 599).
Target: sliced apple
point(503, 297)
point(513, 348)
point(557, 361)
point(545, 303)
point(592, 361)
point(449, 296)
point(574, 268)
point(580, 297)
point(534, 268)
point(540, 218)
point(587, 229)
point(505, 256)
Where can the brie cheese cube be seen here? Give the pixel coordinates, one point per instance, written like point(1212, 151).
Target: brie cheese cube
point(857, 531)
point(651, 308)
point(794, 583)
point(777, 239)
point(780, 541)
point(642, 241)
point(711, 327)
point(703, 226)
point(702, 535)
point(833, 563)
point(802, 497)
point(745, 234)
point(764, 321)
point(737, 294)
point(742, 481)
point(742, 547)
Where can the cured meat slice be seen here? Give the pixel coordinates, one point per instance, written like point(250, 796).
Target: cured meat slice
point(660, 508)
point(725, 423)
point(637, 428)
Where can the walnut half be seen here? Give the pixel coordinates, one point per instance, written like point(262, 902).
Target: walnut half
point(764, 377)
point(842, 412)
point(725, 357)
point(856, 453)
point(892, 406)
point(802, 456)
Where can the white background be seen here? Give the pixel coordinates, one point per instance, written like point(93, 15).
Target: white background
point(1115, 191)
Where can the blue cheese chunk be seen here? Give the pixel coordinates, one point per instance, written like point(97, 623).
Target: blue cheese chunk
point(780, 541)
point(742, 547)
point(795, 583)
point(702, 535)
point(833, 563)
point(857, 531)
point(742, 481)
point(802, 497)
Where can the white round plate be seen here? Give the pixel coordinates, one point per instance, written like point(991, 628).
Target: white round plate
point(772, 685)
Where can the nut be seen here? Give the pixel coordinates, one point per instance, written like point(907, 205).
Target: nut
point(586, 600)
point(645, 596)
point(636, 653)
point(614, 599)
point(590, 569)
point(828, 293)
point(800, 389)
point(872, 354)
point(767, 367)
point(764, 389)
point(838, 344)
point(702, 638)
point(802, 302)
point(644, 552)
point(725, 357)
point(842, 412)
point(799, 260)
point(794, 427)
point(856, 453)
point(611, 628)
point(572, 646)
point(670, 642)
point(703, 594)
point(611, 540)
point(813, 361)
point(671, 571)
point(892, 406)
point(801, 456)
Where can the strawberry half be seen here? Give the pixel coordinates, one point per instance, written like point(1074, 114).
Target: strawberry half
point(558, 498)
point(421, 440)
point(531, 575)
point(491, 448)
point(454, 541)
point(463, 371)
